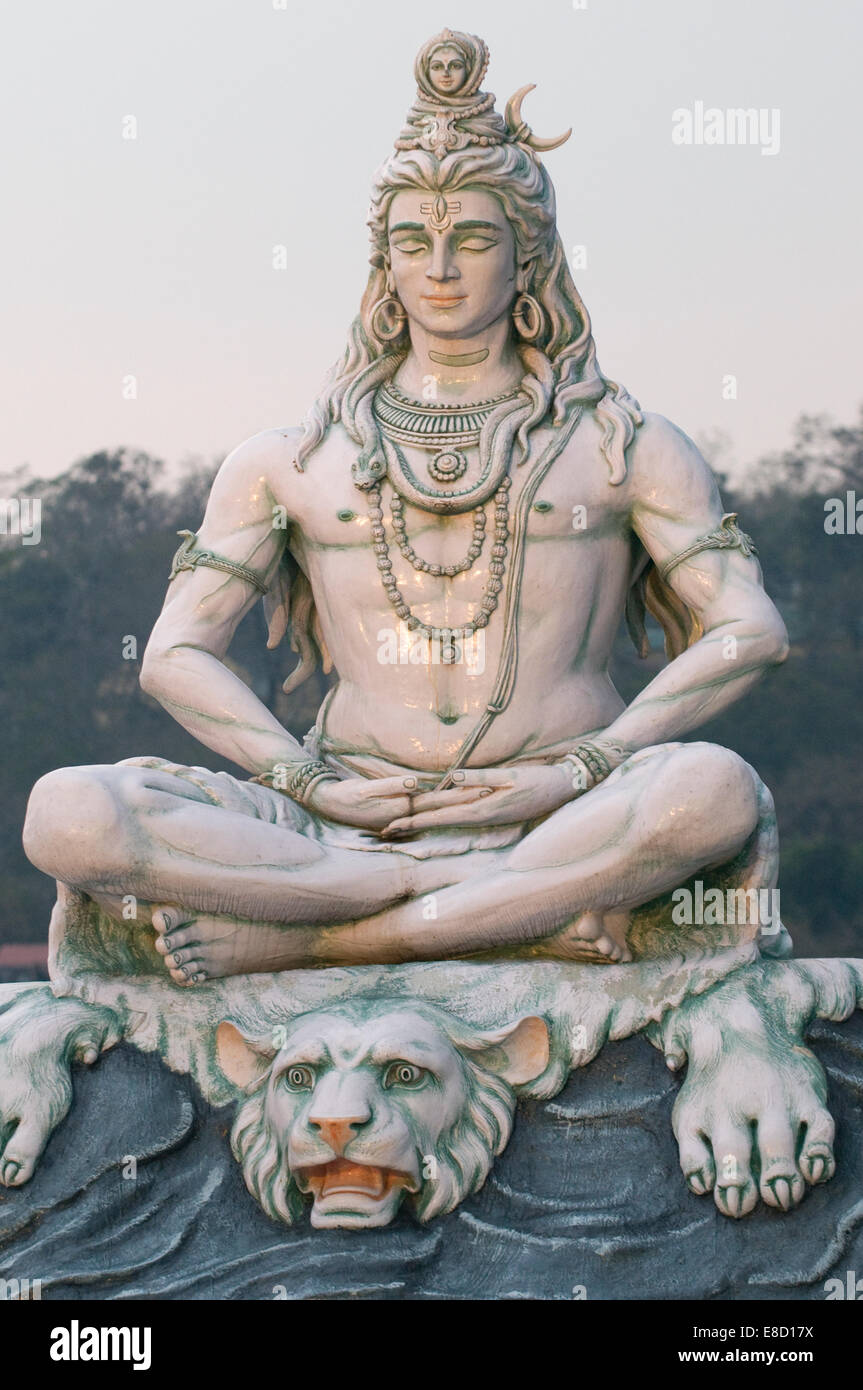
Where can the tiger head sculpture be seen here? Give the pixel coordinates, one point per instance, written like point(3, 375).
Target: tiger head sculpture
point(366, 1105)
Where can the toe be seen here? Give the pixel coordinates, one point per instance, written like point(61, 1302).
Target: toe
point(179, 937)
point(696, 1161)
point(192, 972)
point(22, 1152)
point(780, 1183)
point(166, 918)
point(817, 1162)
point(178, 958)
point(735, 1192)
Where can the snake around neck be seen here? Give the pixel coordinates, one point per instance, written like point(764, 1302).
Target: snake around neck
point(445, 431)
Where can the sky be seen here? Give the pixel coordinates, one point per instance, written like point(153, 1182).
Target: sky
point(259, 123)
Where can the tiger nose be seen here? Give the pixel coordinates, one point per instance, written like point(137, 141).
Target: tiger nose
point(337, 1131)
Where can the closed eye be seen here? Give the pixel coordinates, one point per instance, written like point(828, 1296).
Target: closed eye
point(411, 246)
point(478, 243)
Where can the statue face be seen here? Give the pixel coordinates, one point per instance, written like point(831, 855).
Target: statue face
point(361, 1107)
point(447, 71)
point(453, 260)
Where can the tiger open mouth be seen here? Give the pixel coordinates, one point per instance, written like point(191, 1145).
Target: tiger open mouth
point(342, 1175)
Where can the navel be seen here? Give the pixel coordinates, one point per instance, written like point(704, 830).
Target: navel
point(346, 514)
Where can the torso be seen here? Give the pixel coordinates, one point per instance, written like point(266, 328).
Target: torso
point(578, 567)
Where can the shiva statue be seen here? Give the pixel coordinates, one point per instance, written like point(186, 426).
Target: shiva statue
point(459, 526)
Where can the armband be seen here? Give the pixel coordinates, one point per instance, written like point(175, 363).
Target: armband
point(189, 558)
point(727, 536)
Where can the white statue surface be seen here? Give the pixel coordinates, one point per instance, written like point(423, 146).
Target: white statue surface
point(464, 882)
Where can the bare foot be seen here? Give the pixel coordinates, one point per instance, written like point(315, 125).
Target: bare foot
point(199, 947)
point(585, 939)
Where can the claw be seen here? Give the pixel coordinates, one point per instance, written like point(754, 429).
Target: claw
point(820, 1167)
point(735, 1200)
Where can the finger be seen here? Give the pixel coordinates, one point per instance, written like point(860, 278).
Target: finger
point(428, 820)
point(454, 796)
point(483, 777)
point(398, 786)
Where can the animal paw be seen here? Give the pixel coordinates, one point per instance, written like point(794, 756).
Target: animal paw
point(750, 1120)
point(40, 1037)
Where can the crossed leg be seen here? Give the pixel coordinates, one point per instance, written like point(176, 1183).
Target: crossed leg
point(258, 896)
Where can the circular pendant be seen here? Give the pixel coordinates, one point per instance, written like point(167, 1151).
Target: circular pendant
point(411, 487)
point(448, 467)
point(448, 648)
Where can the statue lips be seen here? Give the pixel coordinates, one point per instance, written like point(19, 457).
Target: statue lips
point(445, 301)
point(342, 1175)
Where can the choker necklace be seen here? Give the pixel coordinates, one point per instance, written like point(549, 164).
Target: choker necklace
point(448, 637)
point(430, 424)
point(459, 359)
point(445, 431)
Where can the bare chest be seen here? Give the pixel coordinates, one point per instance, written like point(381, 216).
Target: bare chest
point(573, 507)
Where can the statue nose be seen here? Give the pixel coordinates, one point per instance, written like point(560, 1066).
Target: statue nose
point(337, 1131)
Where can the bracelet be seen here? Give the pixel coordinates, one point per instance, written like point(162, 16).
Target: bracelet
point(305, 776)
point(588, 765)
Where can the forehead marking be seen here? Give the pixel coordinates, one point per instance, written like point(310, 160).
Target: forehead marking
point(439, 213)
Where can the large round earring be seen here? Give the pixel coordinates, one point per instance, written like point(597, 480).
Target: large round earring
point(388, 319)
point(528, 317)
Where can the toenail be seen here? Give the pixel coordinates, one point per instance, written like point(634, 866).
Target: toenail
point(177, 958)
point(201, 975)
point(10, 1172)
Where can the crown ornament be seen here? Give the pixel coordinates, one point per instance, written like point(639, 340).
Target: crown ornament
point(451, 113)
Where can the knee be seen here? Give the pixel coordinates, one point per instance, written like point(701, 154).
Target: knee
point(72, 823)
point(709, 794)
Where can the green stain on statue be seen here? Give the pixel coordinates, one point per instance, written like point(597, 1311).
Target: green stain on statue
point(346, 514)
point(543, 506)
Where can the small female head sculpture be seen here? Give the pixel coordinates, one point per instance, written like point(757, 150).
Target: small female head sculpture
point(451, 65)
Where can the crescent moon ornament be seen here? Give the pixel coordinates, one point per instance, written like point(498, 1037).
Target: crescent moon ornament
point(521, 131)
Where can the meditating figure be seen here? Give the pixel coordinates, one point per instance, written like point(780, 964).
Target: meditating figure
point(458, 527)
